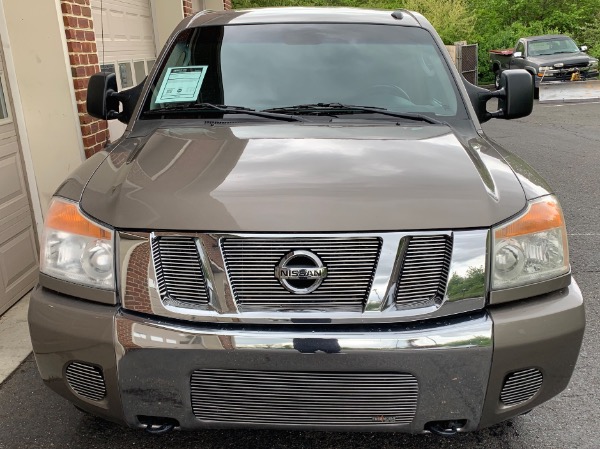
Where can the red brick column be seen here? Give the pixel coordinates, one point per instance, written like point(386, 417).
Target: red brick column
point(81, 44)
point(187, 8)
point(227, 4)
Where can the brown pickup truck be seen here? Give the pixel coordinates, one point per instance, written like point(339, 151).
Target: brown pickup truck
point(305, 227)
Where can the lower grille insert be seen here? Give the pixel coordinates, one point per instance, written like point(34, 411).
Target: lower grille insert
point(86, 380)
point(277, 397)
point(521, 386)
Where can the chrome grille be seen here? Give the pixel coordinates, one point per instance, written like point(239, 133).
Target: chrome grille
point(86, 380)
point(251, 264)
point(179, 270)
point(277, 397)
point(425, 269)
point(521, 386)
point(575, 65)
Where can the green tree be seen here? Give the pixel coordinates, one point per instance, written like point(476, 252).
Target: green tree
point(500, 23)
point(451, 18)
point(490, 23)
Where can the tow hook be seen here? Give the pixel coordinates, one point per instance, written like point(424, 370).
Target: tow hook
point(445, 428)
point(158, 426)
point(159, 429)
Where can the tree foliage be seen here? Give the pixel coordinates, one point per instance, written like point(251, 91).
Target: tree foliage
point(500, 23)
point(450, 18)
point(490, 23)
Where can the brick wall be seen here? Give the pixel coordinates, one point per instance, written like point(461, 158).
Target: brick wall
point(136, 290)
point(81, 44)
point(227, 4)
point(125, 334)
point(187, 8)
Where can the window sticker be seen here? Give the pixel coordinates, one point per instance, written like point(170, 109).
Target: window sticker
point(181, 84)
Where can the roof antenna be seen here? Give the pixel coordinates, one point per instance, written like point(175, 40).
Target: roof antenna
point(102, 28)
point(398, 15)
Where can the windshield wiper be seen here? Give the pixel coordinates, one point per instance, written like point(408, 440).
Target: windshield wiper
point(337, 108)
point(225, 109)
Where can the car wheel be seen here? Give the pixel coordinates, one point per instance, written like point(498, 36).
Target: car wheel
point(536, 90)
point(497, 79)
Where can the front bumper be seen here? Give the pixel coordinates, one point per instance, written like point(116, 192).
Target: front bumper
point(565, 76)
point(460, 364)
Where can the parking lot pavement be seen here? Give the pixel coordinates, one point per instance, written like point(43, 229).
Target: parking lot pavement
point(563, 144)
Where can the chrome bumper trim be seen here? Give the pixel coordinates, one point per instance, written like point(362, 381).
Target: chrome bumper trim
point(141, 332)
point(155, 362)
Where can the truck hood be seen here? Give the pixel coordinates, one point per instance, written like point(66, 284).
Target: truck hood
point(565, 58)
point(303, 178)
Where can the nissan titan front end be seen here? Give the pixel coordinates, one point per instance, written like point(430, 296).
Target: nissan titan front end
point(304, 227)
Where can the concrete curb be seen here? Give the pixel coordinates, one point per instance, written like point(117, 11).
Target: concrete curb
point(15, 343)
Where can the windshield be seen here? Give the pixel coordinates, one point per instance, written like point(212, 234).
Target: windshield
point(263, 67)
point(552, 47)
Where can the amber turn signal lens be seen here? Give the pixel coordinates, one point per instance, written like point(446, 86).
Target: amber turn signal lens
point(65, 216)
point(542, 216)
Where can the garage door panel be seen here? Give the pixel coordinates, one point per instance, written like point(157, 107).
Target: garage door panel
point(128, 29)
point(13, 193)
point(18, 256)
point(18, 249)
point(8, 144)
point(7, 130)
point(18, 262)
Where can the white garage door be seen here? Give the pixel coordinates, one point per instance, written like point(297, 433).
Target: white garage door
point(125, 41)
point(18, 250)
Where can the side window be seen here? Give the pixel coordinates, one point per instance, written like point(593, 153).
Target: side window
point(4, 112)
point(139, 68)
point(108, 68)
point(125, 75)
point(521, 48)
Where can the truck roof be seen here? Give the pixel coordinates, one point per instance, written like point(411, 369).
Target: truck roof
point(303, 15)
point(544, 37)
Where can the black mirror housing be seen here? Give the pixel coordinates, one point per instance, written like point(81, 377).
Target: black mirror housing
point(515, 98)
point(518, 99)
point(101, 102)
point(104, 99)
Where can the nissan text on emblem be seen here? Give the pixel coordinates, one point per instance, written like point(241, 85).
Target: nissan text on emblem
point(301, 272)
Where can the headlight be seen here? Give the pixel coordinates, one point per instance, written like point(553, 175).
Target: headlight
point(545, 68)
point(531, 248)
point(593, 64)
point(76, 249)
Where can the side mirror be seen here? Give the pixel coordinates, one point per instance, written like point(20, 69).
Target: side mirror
point(103, 98)
point(584, 48)
point(518, 54)
point(101, 102)
point(517, 100)
point(515, 97)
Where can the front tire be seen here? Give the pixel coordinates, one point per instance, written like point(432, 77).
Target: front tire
point(536, 90)
point(497, 74)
